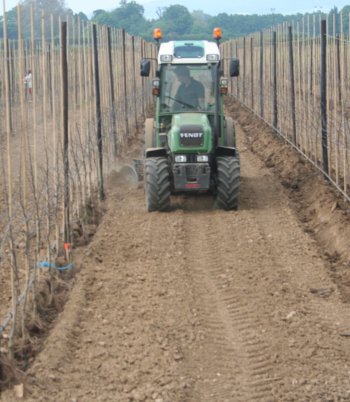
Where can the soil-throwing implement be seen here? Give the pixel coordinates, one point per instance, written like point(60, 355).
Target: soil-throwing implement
point(190, 145)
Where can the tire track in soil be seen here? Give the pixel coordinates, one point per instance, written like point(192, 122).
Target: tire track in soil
point(239, 365)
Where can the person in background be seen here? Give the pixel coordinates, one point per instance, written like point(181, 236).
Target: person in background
point(28, 83)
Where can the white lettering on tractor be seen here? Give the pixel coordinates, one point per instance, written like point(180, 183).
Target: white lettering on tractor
point(191, 135)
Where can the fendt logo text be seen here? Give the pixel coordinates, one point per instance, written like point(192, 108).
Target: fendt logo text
point(191, 135)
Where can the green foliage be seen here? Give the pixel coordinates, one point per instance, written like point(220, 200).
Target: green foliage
point(200, 22)
point(176, 21)
point(128, 16)
point(11, 21)
point(239, 25)
point(82, 16)
point(96, 13)
point(49, 7)
point(103, 18)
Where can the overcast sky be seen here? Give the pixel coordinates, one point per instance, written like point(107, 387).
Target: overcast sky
point(209, 7)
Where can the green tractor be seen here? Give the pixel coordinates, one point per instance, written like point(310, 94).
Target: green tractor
point(190, 146)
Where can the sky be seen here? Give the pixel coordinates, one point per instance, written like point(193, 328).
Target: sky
point(208, 7)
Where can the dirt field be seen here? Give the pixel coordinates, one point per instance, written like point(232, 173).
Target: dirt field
point(206, 305)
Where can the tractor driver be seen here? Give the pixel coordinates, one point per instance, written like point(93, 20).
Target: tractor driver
point(190, 93)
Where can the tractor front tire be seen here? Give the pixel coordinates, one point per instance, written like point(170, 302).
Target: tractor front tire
point(157, 184)
point(228, 182)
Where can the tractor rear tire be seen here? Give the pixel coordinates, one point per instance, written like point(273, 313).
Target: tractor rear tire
point(230, 133)
point(150, 138)
point(228, 182)
point(157, 184)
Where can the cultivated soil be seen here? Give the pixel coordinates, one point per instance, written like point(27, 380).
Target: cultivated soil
point(198, 304)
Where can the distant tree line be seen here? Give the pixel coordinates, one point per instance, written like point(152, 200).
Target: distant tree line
point(56, 8)
point(176, 21)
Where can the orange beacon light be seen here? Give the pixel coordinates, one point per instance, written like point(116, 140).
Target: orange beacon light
point(217, 33)
point(157, 34)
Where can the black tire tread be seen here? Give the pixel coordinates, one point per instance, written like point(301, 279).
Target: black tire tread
point(157, 184)
point(228, 182)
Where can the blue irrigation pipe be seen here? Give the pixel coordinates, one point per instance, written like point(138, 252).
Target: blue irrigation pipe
point(46, 264)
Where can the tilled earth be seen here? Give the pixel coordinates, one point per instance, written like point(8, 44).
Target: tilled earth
point(200, 304)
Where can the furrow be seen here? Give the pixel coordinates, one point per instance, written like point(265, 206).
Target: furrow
point(230, 322)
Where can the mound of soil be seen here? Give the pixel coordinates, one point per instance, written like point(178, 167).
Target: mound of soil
point(320, 208)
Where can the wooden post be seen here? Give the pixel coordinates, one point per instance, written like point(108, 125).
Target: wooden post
point(111, 83)
point(14, 289)
point(338, 69)
point(125, 84)
point(238, 80)
point(50, 50)
point(252, 71)
point(12, 74)
point(232, 55)
point(275, 109)
point(301, 78)
point(261, 74)
point(292, 85)
point(134, 79)
point(44, 76)
point(324, 95)
point(34, 114)
point(343, 79)
point(312, 53)
point(21, 75)
point(35, 156)
point(336, 101)
point(54, 133)
point(143, 44)
point(306, 96)
point(315, 123)
point(244, 68)
point(8, 82)
point(98, 115)
point(64, 74)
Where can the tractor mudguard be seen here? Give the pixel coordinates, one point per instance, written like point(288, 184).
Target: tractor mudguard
point(226, 151)
point(155, 152)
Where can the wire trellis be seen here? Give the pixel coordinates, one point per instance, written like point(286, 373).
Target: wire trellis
point(34, 161)
point(299, 85)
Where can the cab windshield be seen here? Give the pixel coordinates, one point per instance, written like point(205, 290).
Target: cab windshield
point(187, 88)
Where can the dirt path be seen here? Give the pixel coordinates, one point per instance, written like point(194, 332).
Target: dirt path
point(200, 305)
